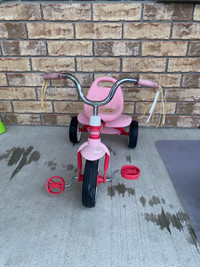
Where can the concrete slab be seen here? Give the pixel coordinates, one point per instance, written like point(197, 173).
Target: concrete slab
point(135, 223)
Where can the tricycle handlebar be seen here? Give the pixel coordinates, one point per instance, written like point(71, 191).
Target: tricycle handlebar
point(63, 75)
point(147, 83)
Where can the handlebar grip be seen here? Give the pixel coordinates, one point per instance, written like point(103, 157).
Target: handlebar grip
point(53, 76)
point(147, 83)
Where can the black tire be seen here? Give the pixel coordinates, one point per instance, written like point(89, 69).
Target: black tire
point(90, 183)
point(74, 134)
point(133, 134)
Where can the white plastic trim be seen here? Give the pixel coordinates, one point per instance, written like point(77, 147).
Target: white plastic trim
point(95, 121)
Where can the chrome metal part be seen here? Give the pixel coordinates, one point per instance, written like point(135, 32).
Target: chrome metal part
point(113, 175)
point(96, 104)
point(72, 180)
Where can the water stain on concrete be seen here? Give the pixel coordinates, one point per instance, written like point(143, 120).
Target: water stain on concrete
point(166, 220)
point(143, 200)
point(128, 158)
point(76, 170)
point(121, 189)
point(34, 157)
point(51, 164)
point(111, 191)
point(22, 156)
point(111, 150)
point(70, 167)
point(163, 200)
point(7, 154)
point(154, 201)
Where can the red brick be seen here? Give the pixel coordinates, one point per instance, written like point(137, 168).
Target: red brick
point(25, 79)
point(54, 63)
point(181, 94)
point(68, 107)
point(62, 94)
point(14, 64)
point(164, 48)
point(21, 119)
point(98, 64)
point(98, 30)
point(66, 12)
point(140, 107)
point(197, 12)
point(191, 80)
point(70, 48)
point(194, 48)
point(144, 64)
point(186, 31)
point(31, 107)
point(5, 106)
point(3, 80)
point(20, 11)
point(50, 30)
point(184, 65)
point(116, 48)
point(24, 48)
point(12, 31)
point(147, 30)
point(117, 12)
point(56, 119)
point(17, 93)
point(188, 108)
point(182, 121)
point(163, 11)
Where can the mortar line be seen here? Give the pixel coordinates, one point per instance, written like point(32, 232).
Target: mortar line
point(92, 14)
point(41, 12)
point(122, 37)
point(47, 48)
point(171, 31)
point(41, 118)
point(166, 65)
point(142, 13)
point(188, 47)
point(12, 106)
point(74, 31)
point(100, 22)
point(193, 11)
point(93, 48)
point(1, 49)
point(26, 30)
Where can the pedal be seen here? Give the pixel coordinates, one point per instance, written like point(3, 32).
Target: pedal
point(55, 185)
point(130, 172)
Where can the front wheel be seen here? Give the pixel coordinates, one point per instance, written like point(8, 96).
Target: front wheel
point(90, 183)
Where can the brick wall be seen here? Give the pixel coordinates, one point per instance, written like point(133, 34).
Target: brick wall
point(159, 41)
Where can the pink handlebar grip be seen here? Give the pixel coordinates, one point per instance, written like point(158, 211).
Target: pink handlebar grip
point(53, 76)
point(148, 83)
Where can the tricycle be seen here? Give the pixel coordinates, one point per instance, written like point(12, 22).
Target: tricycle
point(102, 113)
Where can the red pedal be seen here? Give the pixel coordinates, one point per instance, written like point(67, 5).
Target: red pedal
point(55, 185)
point(130, 172)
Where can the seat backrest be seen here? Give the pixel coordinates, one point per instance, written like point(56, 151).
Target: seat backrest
point(98, 93)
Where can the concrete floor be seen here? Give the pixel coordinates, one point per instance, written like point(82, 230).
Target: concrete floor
point(135, 223)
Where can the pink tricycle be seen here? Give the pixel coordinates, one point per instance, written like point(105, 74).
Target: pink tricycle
point(102, 114)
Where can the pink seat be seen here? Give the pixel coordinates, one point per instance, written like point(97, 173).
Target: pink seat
point(113, 109)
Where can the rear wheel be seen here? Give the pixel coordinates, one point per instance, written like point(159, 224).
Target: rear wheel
point(133, 134)
point(90, 183)
point(74, 133)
